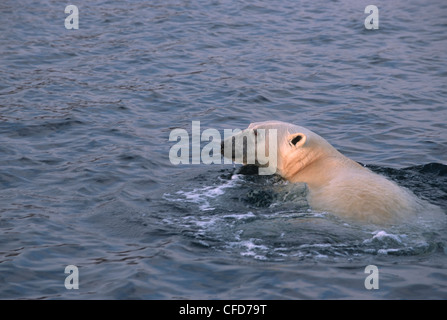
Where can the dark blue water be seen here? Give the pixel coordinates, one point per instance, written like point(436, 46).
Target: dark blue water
point(85, 176)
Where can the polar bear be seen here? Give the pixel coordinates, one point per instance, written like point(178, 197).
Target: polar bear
point(336, 183)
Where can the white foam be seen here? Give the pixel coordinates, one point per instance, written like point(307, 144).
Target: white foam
point(381, 235)
point(201, 196)
point(387, 251)
point(251, 249)
point(243, 216)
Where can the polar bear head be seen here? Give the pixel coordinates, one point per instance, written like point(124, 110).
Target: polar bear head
point(276, 147)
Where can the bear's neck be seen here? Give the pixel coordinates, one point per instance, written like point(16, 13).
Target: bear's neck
point(314, 168)
point(311, 172)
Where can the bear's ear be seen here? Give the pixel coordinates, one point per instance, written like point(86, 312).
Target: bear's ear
point(297, 139)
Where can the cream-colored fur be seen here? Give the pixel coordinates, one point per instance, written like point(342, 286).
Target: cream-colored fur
point(336, 183)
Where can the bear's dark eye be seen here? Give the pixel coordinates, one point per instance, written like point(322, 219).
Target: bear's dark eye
point(295, 140)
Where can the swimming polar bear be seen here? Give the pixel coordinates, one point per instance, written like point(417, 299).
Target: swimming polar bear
point(336, 183)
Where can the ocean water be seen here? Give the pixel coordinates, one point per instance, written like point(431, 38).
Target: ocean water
point(85, 175)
